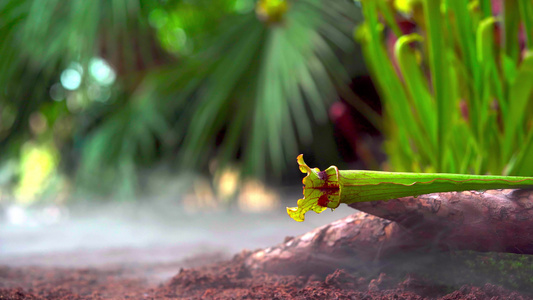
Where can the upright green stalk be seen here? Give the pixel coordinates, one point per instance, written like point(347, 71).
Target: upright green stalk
point(437, 57)
point(526, 11)
point(511, 15)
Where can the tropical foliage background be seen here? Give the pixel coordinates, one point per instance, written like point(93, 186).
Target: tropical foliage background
point(93, 92)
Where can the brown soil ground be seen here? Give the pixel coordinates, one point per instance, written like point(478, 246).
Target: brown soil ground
point(228, 279)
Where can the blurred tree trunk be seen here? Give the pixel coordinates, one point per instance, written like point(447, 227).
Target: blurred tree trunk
point(497, 220)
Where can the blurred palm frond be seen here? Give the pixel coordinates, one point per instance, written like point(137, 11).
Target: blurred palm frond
point(262, 86)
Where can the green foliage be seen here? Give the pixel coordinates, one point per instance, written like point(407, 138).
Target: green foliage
point(456, 99)
point(41, 39)
point(257, 83)
point(201, 81)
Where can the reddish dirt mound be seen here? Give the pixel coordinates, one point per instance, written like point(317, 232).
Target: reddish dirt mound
point(225, 280)
point(231, 280)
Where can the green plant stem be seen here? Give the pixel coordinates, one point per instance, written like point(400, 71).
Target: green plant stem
point(437, 55)
point(331, 187)
point(526, 11)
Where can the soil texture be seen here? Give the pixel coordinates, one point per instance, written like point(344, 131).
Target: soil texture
point(229, 279)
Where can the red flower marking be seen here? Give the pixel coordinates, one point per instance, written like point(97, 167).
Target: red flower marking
point(323, 201)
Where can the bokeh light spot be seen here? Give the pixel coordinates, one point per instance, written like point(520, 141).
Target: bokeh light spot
point(227, 183)
point(71, 79)
point(101, 71)
point(16, 215)
point(255, 197)
point(57, 92)
point(98, 93)
point(37, 165)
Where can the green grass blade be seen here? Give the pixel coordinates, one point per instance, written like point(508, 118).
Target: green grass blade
point(466, 35)
point(526, 11)
point(388, 14)
point(522, 165)
point(397, 104)
point(488, 62)
point(416, 84)
point(510, 31)
point(486, 8)
point(519, 94)
point(439, 74)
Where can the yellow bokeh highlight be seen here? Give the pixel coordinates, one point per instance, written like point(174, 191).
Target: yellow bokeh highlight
point(255, 197)
point(227, 183)
point(37, 166)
